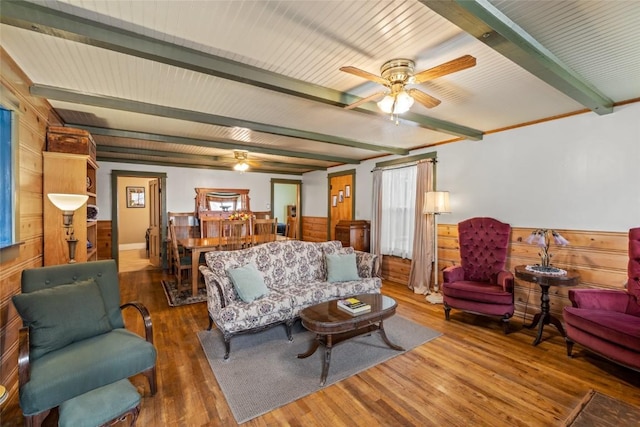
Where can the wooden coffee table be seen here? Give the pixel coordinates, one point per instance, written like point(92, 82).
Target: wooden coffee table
point(333, 326)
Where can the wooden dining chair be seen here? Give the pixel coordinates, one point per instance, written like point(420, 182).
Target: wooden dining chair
point(235, 234)
point(264, 230)
point(210, 227)
point(181, 261)
point(291, 229)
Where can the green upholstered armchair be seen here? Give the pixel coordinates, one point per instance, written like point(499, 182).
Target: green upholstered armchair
point(73, 338)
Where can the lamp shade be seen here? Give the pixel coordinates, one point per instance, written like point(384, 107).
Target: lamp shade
point(436, 202)
point(67, 202)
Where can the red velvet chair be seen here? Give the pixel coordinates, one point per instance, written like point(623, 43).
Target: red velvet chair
point(480, 284)
point(607, 321)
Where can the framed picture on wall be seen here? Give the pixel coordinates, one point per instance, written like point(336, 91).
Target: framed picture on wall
point(334, 201)
point(341, 196)
point(347, 191)
point(135, 197)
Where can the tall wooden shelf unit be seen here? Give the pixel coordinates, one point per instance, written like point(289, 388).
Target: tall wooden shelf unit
point(69, 173)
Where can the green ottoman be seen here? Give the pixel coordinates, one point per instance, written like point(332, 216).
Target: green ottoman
point(101, 406)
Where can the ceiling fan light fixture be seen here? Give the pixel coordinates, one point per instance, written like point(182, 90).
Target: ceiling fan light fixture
point(241, 157)
point(241, 167)
point(403, 101)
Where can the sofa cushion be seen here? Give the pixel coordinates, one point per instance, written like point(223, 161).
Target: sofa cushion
point(478, 292)
point(341, 268)
point(83, 366)
point(241, 316)
point(619, 328)
point(62, 315)
point(248, 282)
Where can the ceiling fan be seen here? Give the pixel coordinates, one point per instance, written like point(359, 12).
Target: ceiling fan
point(396, 74)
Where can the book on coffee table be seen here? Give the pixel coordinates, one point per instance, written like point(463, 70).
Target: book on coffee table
point(353, 305)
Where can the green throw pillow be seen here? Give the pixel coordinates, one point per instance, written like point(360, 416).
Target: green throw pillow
point(62, 315)
point(248, 282)
point(342, 268)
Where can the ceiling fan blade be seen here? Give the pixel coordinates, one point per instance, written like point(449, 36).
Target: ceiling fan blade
point(424, 99)
point(363, 100)
point(459, 64)
point(365, 74)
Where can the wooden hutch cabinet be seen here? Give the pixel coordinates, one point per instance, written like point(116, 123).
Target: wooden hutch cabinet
point(354, 233)
point(72, 174)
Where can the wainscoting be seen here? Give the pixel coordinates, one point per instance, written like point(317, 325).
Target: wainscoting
point(600, 258)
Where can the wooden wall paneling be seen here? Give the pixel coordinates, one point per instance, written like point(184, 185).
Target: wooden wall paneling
point(104, 239)
point(600, 258)
point(395, 269)
point(34, 116)
point(314, 229)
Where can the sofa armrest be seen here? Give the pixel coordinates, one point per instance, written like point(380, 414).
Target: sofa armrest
point(215, 293)
point(453, 274)
point(366, 264)
point(24, 367)
point(505, 279)
point(600, 299)
point(146, 317)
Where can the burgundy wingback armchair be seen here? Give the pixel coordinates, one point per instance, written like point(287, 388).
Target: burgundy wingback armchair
point(480, 284)
point(607, 321)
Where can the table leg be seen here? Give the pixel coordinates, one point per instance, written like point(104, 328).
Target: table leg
point(544, 316)
point(325, 365)
point(386, 340)
point(312, 348)
point(195, 261)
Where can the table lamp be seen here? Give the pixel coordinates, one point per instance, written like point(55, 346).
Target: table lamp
point(435, 203)
point(68, 203)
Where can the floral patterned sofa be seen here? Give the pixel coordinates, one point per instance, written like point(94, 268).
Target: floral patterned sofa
point(295, 273)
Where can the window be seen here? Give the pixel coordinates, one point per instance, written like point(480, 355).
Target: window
point(398, 211)
point(7, 181)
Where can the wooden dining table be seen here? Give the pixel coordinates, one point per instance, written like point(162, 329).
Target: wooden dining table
point(198, 245)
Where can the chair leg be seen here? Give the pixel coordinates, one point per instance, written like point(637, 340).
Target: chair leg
point(569, 347)
point(227, 346)
point(447, 310)
point(505, 324)
point(152, 378)
point(36, 419)
point(289, 325)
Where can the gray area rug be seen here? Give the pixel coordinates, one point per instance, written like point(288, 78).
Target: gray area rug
point(263, 372)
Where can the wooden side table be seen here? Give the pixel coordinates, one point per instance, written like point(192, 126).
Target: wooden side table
point(545, 281)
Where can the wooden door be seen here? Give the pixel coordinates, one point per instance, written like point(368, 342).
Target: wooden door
point(340, 201)
point(155, 247)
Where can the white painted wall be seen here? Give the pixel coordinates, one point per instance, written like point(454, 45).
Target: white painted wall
point(578, 173)
point(182, 181)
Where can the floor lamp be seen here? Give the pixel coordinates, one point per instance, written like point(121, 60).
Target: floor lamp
point(68, 203)
point(435, 203)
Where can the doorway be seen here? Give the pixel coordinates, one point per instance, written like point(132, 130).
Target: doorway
point(138, 219)
point(341, 203)
point(286, 205)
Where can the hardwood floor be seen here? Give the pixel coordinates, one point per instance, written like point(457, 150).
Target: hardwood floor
point(133, 260)
point(473, 375)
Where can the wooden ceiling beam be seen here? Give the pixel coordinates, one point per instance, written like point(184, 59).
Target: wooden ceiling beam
point(55, 23)
point(490, 26)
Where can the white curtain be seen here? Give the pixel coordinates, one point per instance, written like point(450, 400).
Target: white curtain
point(420, 275)
point(398, 205)
point(376, 218)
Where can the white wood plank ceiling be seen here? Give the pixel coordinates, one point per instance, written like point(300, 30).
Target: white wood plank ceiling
point(187, 82)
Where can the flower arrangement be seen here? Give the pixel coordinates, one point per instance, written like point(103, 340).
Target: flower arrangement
point(239, 216)
point(542, 238)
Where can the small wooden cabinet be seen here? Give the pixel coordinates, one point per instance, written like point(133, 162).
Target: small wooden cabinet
point(354, 233)
point(71, 174)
